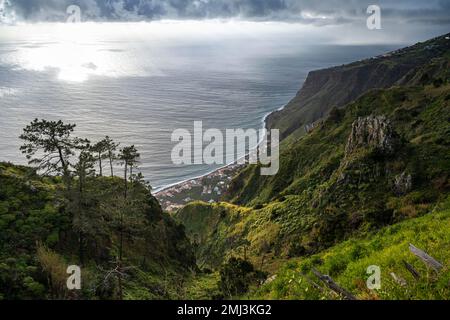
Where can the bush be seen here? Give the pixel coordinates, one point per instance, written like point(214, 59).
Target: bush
point(438, 82)
point(237, 275)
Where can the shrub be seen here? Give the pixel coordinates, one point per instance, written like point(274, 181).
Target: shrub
point(237, 275)
point(258, 206)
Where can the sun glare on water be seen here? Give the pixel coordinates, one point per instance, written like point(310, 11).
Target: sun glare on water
point(77, 52)
point(75, 62)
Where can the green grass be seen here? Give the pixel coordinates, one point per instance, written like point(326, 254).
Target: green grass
point(348, 261)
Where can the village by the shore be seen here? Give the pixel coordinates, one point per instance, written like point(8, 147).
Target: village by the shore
point(208, 188)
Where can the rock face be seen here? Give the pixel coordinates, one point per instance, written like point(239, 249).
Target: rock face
point(338, 86)
point(402, 183)
point(374, 132)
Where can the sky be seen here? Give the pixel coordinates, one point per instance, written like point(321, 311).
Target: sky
point(300, 11)
point(403, 21)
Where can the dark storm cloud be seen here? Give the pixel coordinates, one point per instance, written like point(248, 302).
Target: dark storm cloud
point(305, 11)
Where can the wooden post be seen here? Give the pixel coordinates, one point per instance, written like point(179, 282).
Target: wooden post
point(426, 258)
point(333, 285)
point(411, 269)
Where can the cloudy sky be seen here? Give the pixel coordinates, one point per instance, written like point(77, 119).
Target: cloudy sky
point(403, 21)
point(304, 11)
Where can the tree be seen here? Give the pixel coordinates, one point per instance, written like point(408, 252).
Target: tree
point(85, 166)
point(129, 157)
point(49, 146)
point(79, 204)
point(264, 250)
point(237, 275)
point(110, 147)
point(245, 244)
point(100, 150)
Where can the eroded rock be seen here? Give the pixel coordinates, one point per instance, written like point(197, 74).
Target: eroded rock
point(402, 183)
point(372, 132)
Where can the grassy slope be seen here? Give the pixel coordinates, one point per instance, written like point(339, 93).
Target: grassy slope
point(347, 263)
point(418, 115)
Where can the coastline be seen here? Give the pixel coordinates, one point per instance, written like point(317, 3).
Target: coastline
point(263, 121)
point(176, 195)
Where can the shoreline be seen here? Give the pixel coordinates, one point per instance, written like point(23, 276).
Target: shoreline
point(173, 185)
point(164, 188)
point(209, 187)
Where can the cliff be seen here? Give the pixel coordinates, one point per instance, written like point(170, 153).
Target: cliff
point(338, 86)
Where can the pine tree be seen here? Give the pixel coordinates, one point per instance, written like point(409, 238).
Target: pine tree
point(100, 150)
point(49, 146)
point(82, 220)
point(110, 147)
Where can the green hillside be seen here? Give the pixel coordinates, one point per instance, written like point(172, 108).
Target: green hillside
point(347, 264)
point(348, 261)
point(369, 177)
point(382, 158)
point(40, 237)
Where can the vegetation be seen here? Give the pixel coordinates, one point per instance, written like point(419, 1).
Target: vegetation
point(236, 276)
point(348, 261)
point(380, 160)
point(368, 178)
point(62, 213)
point(323, 194)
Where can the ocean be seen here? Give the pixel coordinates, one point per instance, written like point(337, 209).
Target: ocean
point(139, 82)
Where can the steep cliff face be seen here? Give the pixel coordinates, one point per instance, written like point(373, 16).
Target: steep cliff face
point(372, 132)
point(336, 87)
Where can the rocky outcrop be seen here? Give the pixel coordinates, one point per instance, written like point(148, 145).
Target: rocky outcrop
point(373, 132)
point(402, 183)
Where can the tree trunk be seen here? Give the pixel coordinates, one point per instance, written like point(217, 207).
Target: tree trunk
point(111, 164)
point(120, 257)
point(121, 234)
point(100, 164)
point(119, 278)
point(125, 180)
point(262, 261)
point(80, 212)
point(81, 249)
point(65, 168)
